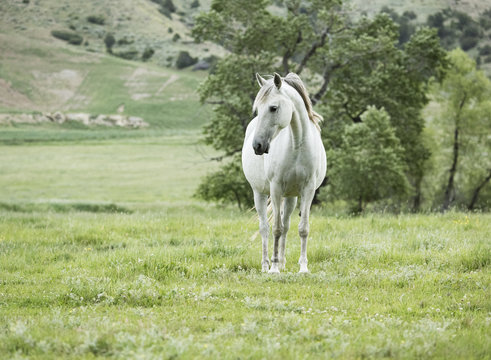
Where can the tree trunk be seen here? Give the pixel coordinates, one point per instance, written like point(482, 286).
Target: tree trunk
point(449, 191)
point(448, 197)
point(475, 194)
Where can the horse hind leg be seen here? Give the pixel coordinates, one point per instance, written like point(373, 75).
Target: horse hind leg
point(303, 228)
point(261, 204)
point(289, 205)
point(277, 228)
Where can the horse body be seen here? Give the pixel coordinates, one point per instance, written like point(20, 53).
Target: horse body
point(283, 157)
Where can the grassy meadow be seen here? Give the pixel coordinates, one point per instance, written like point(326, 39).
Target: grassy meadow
point(105, 253)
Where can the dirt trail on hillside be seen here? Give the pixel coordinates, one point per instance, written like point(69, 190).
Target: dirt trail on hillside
point(137, 83)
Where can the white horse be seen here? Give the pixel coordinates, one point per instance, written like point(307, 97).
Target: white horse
point(283, 157)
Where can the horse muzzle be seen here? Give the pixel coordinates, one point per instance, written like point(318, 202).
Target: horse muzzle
point(260, 147)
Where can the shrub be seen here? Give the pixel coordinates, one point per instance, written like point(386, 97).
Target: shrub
point(125, 41)
point(485, 50)
point(467, 43)
point(169, 5)
point(165, 12)
point(109, 40)
point(195, 4)
point(96, 19)
point(411, 15)
point(184, 60)
point(176, 37)
point(69, 36)
point(148, 53)
point(128, 55)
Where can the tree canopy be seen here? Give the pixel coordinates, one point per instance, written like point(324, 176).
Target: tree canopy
point(348, 66)
point(464, 130)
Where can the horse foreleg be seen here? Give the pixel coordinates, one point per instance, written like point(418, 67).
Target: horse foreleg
point(303, 227)
point(261, 204)
point(277, 228)
point(288, 207)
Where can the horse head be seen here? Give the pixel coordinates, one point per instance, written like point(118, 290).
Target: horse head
point(274, 111)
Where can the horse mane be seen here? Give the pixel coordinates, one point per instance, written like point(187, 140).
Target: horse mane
point(295, 82)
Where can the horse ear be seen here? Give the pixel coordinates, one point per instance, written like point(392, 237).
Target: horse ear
point(260, 80)
point(277, 80)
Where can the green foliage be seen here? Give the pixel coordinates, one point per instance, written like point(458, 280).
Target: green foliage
point(147, 53)
point(467, 43)
point(458, 28)
point(355, 65)
point(185, 60)
point(485, 50)
point(195, 4)
point(131, 54)
point(96, 19)
point(69, 36)
point(406, 27)
point(462, 128)
point(368, 166)
point(166, 8)
point(109, 41)
point(176, 37)
point(228, 185)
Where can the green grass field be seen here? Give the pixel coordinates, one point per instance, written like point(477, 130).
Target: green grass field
point(105, 253)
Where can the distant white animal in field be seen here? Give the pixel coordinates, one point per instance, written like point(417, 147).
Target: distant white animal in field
point(283, 157)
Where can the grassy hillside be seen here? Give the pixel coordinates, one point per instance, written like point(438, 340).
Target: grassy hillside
point(39, 74)
point(135, 24)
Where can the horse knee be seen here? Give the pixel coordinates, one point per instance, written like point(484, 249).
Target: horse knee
point(303, 231)
point(277, 231)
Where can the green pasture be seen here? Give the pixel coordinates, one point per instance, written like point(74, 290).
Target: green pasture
point(105, 253)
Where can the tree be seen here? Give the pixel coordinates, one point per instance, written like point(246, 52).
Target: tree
point(350, 66)
point(369, 165)
point(465, 97)
point(109, 40)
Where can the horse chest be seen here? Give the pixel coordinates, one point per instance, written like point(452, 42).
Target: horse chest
point(291, 173)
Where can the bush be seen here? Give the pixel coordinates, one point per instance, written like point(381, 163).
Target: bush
point(125, 41)
point(96, 19)
point(485, 50)
point(467, 43)
point(228, 185)
point(148, 53)
point(109, 40)
point(69, 36)
point(411, 15)
point(185, 60)
point(195, 4)
point(169, 5)
point(128, 55)
point(176, 37)
point(165, 12)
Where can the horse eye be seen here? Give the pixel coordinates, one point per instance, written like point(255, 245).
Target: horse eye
point(273, 108)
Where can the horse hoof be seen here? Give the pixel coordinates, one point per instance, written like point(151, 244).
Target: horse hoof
point(265, 268)
point(303, 269)
point(274, 270)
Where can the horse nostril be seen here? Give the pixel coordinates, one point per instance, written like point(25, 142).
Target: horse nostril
point(257, 146)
